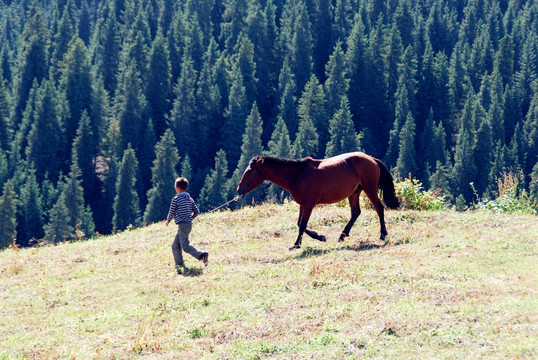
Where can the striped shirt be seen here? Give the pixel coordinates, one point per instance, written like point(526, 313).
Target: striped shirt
point(182, 208)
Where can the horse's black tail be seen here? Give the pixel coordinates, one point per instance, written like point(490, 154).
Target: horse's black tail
point(386, 184)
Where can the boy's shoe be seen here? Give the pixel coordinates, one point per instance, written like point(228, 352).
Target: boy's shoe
point(203, 258)
point(180, 269)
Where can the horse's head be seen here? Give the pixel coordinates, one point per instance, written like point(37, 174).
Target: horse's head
point(252, 177)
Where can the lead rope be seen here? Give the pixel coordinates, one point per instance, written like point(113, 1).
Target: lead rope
point(238, 196)
point(226, 203)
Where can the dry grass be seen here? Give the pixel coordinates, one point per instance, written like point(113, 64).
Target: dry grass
point(447, 285)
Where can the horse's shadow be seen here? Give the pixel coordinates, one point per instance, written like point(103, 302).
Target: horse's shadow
point(311, 252)
point(192, 272)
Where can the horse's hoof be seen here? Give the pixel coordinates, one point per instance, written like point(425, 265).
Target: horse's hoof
point(323, 238)
point(340, 239)
point(295, 247)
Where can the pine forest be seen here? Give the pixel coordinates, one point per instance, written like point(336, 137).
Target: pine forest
point(103, 103)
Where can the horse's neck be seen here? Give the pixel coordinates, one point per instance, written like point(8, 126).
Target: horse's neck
point(281, 175)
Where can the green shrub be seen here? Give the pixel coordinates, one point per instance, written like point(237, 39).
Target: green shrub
point(413, 196)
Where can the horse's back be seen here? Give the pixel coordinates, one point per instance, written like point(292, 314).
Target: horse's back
point(336, 178)
point(356, 160)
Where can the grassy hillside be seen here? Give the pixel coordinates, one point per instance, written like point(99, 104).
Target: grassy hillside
point(447, 285)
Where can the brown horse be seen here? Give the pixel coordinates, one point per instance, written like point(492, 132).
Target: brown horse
point(311, 182)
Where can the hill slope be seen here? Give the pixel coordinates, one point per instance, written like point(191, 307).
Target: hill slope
point(446, 285)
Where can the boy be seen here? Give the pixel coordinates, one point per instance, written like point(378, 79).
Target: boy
point(183, 210)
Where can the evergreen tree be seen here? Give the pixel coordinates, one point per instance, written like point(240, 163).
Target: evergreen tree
point(287, 109)
point(357, 68)
point(426, 144)
point(186, 169)
point(406, 163)
point(106, 47)
point(495, 111)
point(244, 62)
point(73, 197)
point(64, 34)
point(440, 179)
point(337, 84)
point(163, 174)
point(100, 110)
point(183, 109)
point(517, 149)
point(307, 139)
point(30, 211)
point(481, 57)
point(504, 59)
point(59, 228)
point(344, 138)
point(49, 196)
point(252, 145)
point(5, 126)
point(233, 21)
point(84, 23)
point(534, 182)
point(400, 117)
point(464, 171)
point(459, 82)
point(146, 157)
point(312, 108)
point(215, 190)
point(530, 134)
point(209, 117)
point(8, 218)
point(280, 145)
point(84, 148)
point(45, 137)
point(484, 150)
point(131, 108)
point(527, 76)
point(136, 42)
point(33, 59)
point(301, 49)
point(126, 207)
point(391, 60)
point(499, 163)
point(158, 88)
point(235, 116)
point(260, 30)
point(3, 166)
point(76, 84)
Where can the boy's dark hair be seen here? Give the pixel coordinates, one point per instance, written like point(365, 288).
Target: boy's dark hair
point(182, 183)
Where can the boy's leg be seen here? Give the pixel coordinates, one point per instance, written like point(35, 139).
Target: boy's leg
point(176, 250)
point(183, 231)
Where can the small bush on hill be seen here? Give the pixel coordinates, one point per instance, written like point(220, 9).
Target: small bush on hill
point(510, 197)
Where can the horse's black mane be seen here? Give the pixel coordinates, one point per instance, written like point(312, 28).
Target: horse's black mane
point(279, 160)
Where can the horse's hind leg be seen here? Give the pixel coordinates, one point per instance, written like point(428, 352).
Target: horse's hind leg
point(371, 192)
point(355, 212)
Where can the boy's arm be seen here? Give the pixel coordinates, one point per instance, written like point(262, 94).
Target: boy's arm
point(195, 210)
point(172, 211)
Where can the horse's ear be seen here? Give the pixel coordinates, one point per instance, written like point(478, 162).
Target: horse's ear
point(259, 161)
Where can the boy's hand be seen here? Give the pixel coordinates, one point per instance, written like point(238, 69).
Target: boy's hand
point(167, 222)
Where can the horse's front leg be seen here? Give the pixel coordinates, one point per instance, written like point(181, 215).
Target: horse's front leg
point(304, 216)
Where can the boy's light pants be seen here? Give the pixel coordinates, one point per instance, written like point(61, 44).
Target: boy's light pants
point(181, 241)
